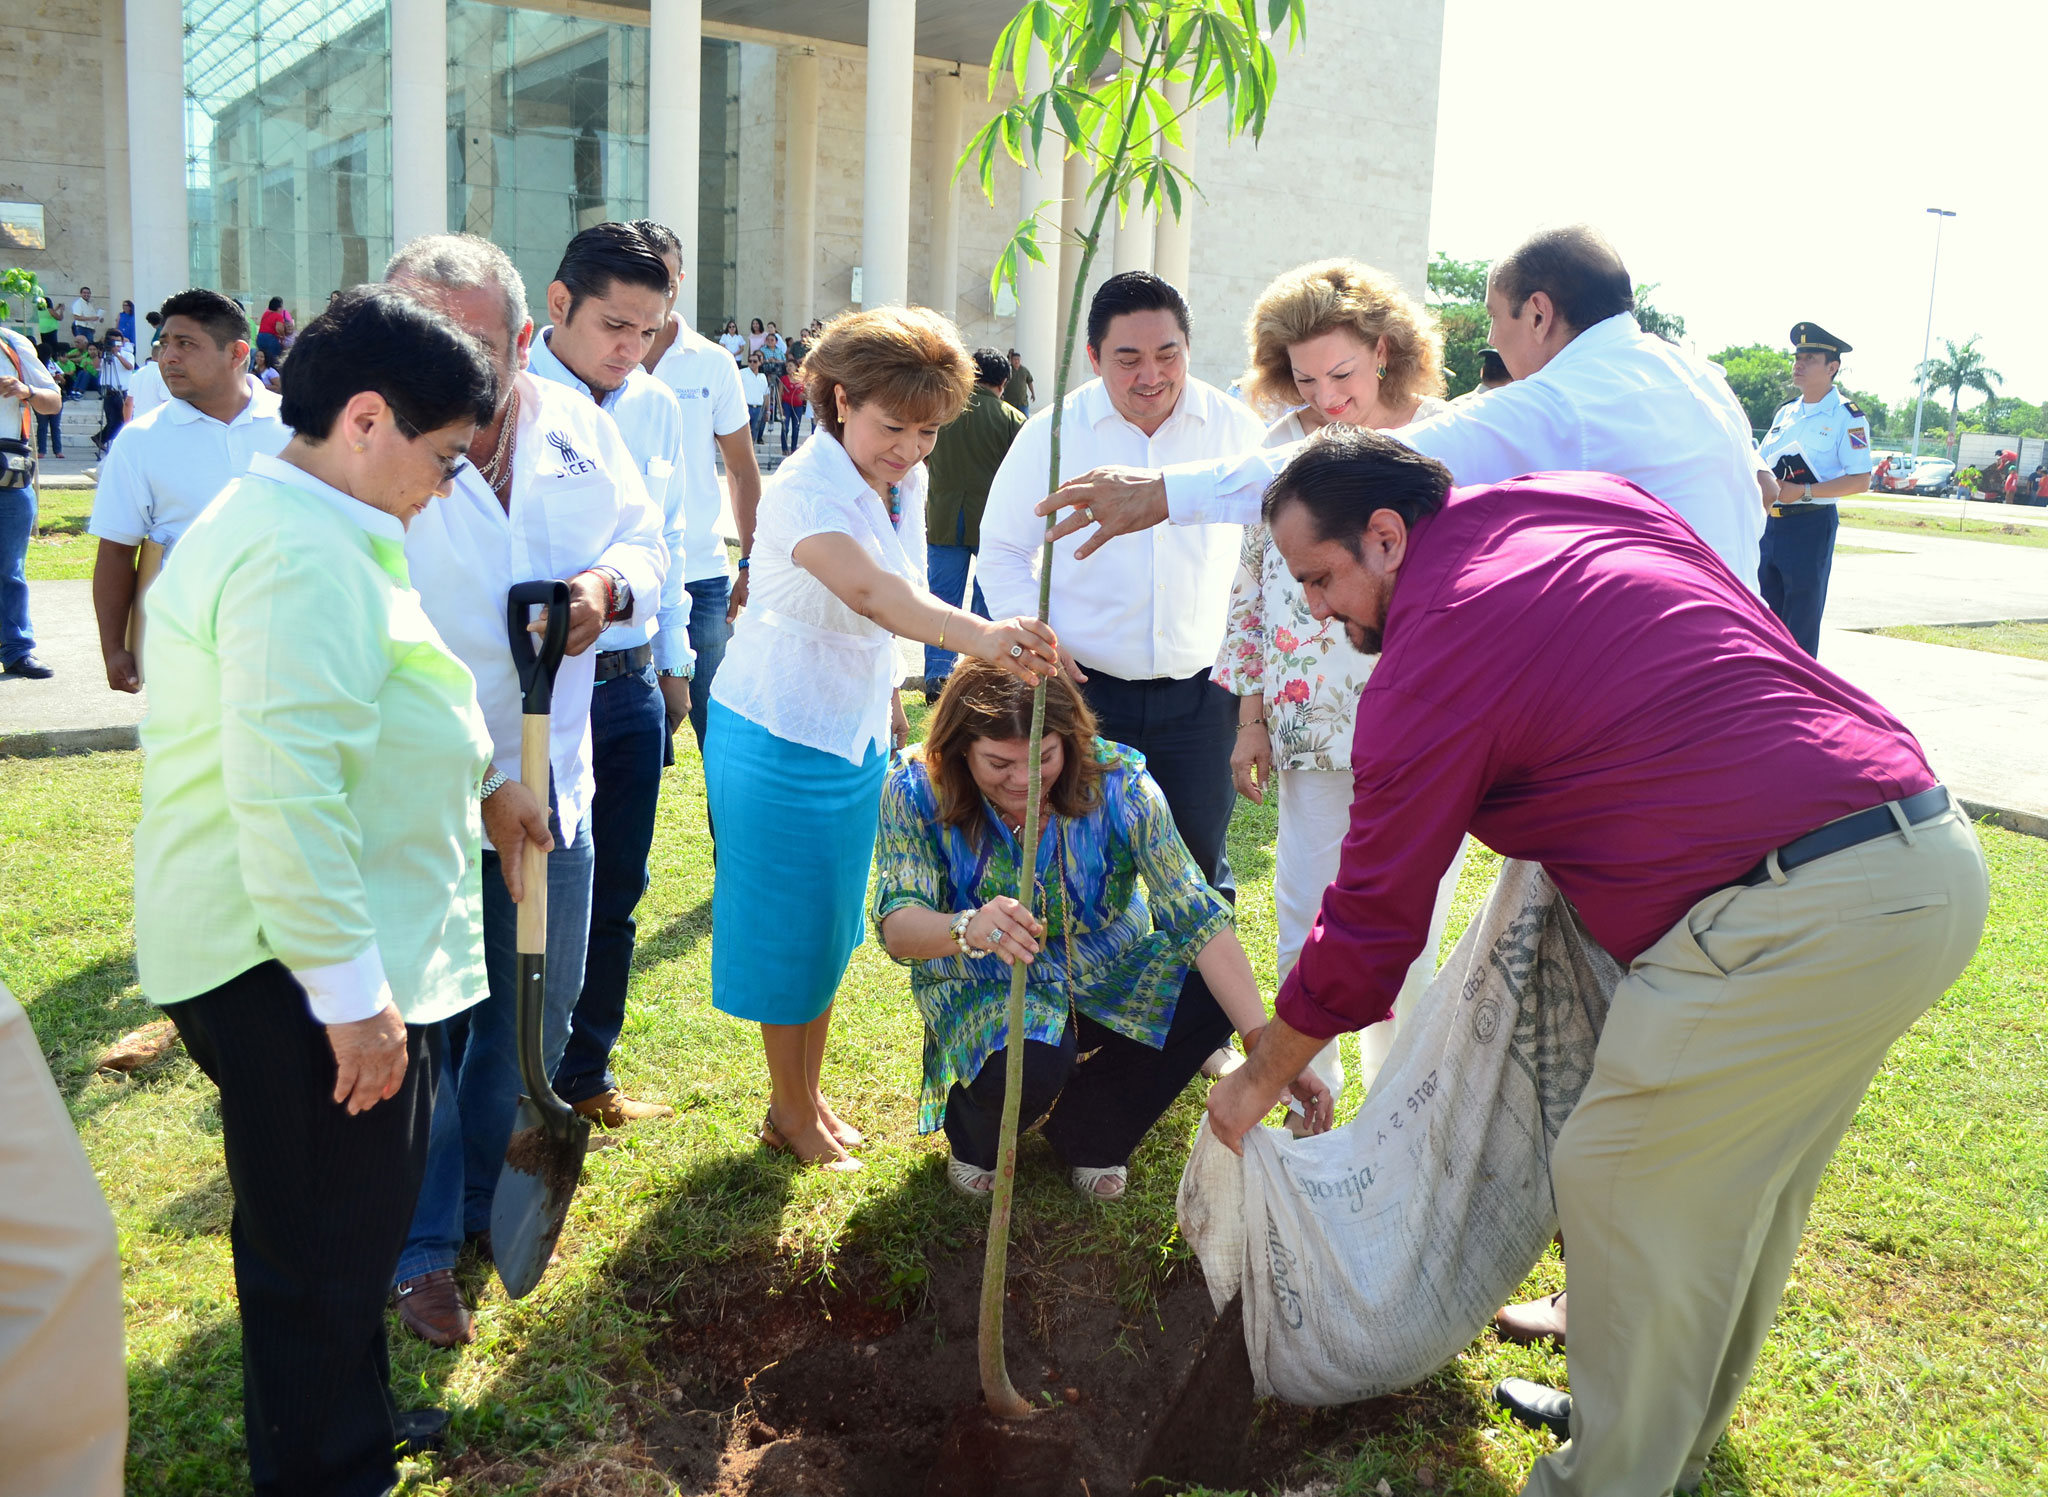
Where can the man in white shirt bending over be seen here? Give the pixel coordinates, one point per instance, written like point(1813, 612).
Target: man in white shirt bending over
point(706, 382)
point(170, 462)
point(550, 491)
point(1140, 619)
point(608, 300)
point(1591, 391)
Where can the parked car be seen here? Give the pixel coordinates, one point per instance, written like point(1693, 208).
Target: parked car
point(1930, 475)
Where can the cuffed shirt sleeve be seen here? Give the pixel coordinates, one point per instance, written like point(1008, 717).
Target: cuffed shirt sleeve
point(1419, 781)
point(1224, 491)
point(346, 992)
point(301, 663)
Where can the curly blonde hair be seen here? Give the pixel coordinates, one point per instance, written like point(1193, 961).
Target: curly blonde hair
point(1315, 299)
point(910, 359)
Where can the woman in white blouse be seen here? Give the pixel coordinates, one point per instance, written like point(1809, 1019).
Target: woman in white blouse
point(805, 709)
point(1346, 345)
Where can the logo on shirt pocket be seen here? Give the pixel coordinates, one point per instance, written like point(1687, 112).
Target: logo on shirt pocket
point(574, 463)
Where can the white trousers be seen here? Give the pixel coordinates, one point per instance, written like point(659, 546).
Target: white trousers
point(1315, 813)
point(63, 1378)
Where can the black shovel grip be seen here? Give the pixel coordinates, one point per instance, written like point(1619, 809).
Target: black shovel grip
point(537, 667)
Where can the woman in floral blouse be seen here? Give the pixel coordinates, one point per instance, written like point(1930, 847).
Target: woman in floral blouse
point(1107, 958)
point(1341, 341)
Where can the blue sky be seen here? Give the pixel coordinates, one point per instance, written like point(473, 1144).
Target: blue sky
point(1766, 163)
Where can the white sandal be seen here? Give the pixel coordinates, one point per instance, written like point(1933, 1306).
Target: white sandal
point(1085, 1181)
point(970, 1180)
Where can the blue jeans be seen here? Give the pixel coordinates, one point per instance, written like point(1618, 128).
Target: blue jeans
point(792, 421)
point(628, 734)
point(759, 415)
point(50, 434)
point(946, 568)
point(478, 1091)
point(17, 524)
point(709, 635)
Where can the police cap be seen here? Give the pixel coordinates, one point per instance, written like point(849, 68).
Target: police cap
point(1811, 337)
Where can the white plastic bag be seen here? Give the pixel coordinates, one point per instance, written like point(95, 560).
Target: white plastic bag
point(1370, 1256)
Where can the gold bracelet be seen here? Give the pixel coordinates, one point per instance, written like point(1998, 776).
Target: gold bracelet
point(942, 633)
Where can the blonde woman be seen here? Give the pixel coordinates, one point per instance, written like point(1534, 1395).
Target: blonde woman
point(1332, 343)
point(805, 710)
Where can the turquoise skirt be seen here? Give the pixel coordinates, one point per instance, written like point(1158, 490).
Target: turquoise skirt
point(796, 838)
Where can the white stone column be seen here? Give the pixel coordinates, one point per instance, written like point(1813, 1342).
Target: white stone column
point(114, 135)
point(159, 225)
point(948, 95)
point(1172, 241)
point(1074, 181)
point(419, 119)
point(800, 192)
point(675, 86)
point(1132, 249)
point(1038, 285)
point(885, 182)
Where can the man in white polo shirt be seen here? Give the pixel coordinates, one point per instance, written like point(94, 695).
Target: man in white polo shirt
point(706, 382)
point(169, 463)
point(550, 491)
point(608, 300)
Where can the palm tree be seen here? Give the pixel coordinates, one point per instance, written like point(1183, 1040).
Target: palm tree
point(1963, 369)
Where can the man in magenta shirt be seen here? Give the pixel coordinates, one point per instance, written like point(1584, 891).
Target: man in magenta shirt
point(1571, 674)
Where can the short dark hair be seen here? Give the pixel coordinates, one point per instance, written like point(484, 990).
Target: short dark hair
point(990, 367)
point(1133, 291)
point(153, 318)
point(660, 237)
point(1347, 472)
point(607, 253)
point(1493, 369)
point(383, 338)
point(275, 304)
point(224, 321)
point(1575, 267)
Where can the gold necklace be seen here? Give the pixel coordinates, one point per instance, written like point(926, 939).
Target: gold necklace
point(494, 472)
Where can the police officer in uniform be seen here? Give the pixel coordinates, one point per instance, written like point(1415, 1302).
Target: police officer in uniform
point(1819, 449)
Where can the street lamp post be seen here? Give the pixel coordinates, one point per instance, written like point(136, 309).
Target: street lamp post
point(1927, 338)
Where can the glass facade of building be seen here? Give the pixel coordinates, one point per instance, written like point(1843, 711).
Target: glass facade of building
point(287, 146)
point(288, 141)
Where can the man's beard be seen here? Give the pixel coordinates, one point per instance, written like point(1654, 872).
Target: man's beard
point(1366, 641)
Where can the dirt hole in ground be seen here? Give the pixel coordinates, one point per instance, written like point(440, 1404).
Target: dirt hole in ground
point(820, 1393)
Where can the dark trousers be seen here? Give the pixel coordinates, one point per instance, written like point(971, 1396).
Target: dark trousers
point(1100, 1105)
point(322, 1201)
point(1797, 556)
point(628, 737)
point(1185, 729)
point(112, 403)
point(50, 434)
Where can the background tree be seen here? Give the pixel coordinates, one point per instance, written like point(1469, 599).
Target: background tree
point(1666, 325)
point(1879, 413)
point(1761, 376)
point(1457, 294)
point(1123, 74)
point(2006, 416)
point(1960, 368)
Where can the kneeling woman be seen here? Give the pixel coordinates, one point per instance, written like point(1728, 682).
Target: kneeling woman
point(1104, 984)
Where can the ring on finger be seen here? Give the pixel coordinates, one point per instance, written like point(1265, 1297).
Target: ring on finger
point(995, 937)
point(1088, 512)
point(1016, 652)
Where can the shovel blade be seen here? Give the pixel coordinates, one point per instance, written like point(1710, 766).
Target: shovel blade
point(534, 1190)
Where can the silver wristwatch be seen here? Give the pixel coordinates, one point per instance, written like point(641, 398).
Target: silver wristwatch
point(491, 784)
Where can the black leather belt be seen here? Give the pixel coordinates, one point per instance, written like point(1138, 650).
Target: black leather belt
point(1850, 831)
point(614, 663)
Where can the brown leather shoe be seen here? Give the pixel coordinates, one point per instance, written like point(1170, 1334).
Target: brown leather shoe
point(431, 1308)
point(614, 1109)
point(1538, 1320)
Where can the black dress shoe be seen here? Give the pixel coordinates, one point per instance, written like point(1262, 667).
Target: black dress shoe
point(1535, 1405)
point(30, 667)
point(419, 1431)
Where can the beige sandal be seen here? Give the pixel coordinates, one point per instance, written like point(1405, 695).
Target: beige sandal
point(970, 1180)
point(1086, 1182)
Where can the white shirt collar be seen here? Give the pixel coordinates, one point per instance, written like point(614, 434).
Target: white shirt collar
point(542, 361)
point(262, 404)
point(1096, 407)
point(371, 519)
point(1606, 333)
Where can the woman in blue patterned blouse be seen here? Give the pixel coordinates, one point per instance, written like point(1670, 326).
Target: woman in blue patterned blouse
point(1107, 959)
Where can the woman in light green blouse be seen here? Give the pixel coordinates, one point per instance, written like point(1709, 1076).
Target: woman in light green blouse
point(306, 867)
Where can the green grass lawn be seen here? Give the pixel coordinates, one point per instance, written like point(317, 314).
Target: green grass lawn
point(2028, 640)
point(1909, 1356)
point(1942, 521)
point(60, 550)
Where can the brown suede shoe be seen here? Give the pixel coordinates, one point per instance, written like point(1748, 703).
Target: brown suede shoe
point(431, 1308)
point(1538, 1320)
point(614, 1109)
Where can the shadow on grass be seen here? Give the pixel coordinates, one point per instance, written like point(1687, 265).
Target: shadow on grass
point(185, 1415)
point(78, 1015)
point(678, 938)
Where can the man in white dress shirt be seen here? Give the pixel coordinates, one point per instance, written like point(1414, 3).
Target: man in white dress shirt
point(1591, 391)
point(171, 461)
point(550, 491)
point(1140, 619)
point(608, 300)
point(706, 382)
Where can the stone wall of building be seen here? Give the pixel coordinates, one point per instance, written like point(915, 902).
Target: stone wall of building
point(53, 142)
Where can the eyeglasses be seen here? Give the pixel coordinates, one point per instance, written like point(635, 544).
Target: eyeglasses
point(449, 466)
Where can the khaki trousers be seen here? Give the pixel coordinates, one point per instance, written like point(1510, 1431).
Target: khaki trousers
point(63, 1378)
point(1734, 1057)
